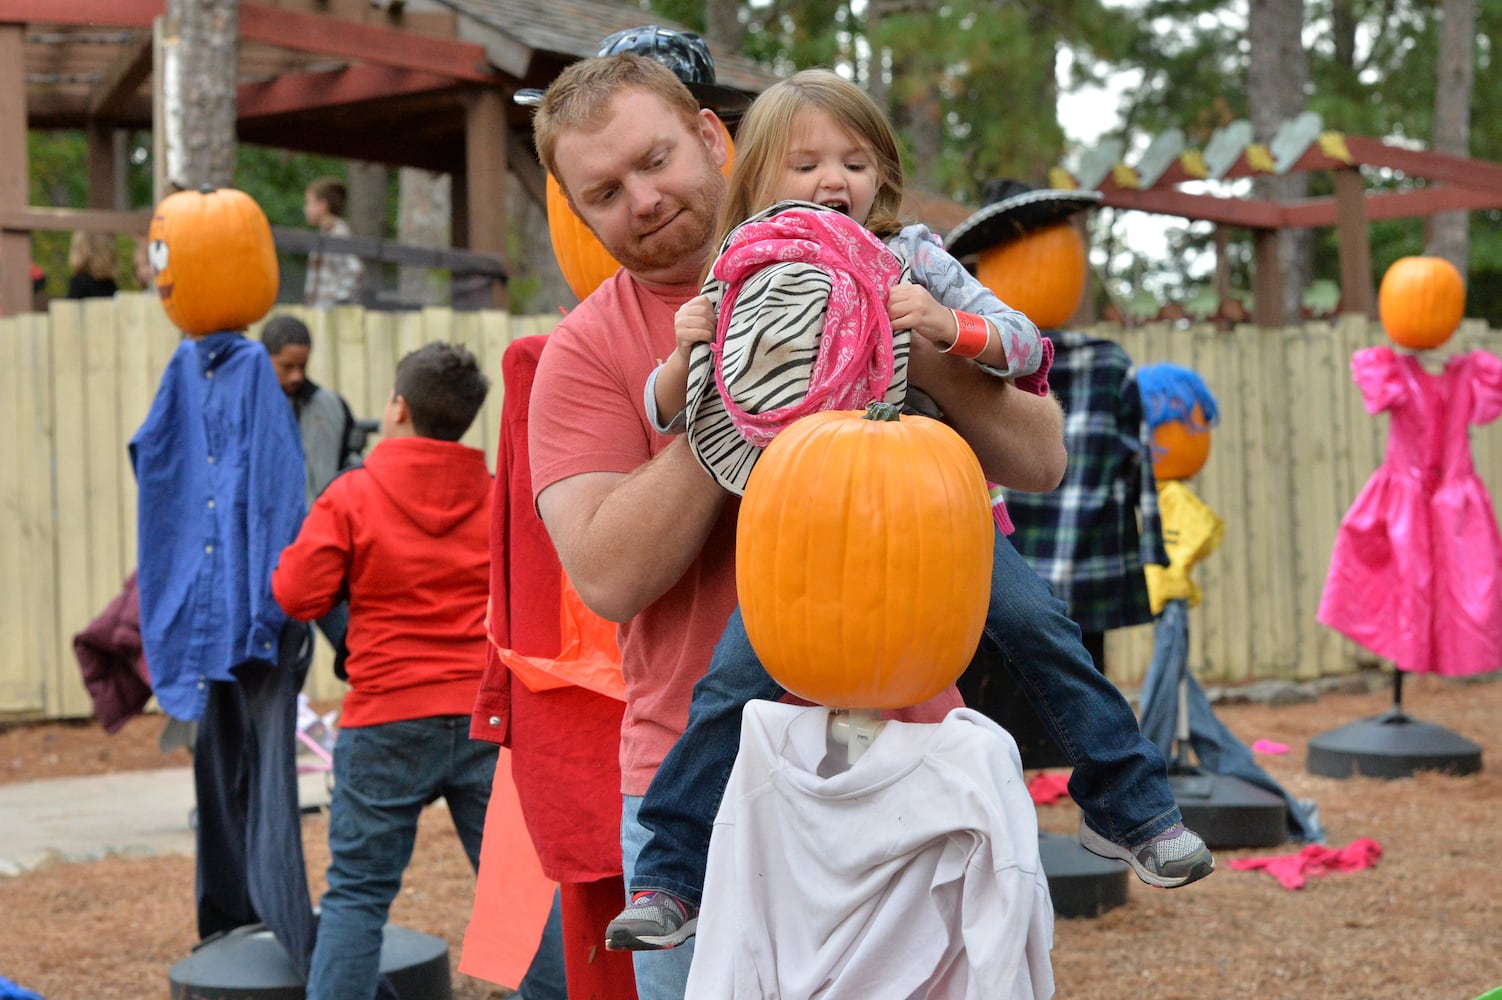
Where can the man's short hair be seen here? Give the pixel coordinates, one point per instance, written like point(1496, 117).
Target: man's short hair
point(444, 389)
point(285, 331)
point(580, 97)
point(332, 192)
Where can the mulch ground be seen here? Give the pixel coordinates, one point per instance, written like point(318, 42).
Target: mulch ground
point(1424, 922)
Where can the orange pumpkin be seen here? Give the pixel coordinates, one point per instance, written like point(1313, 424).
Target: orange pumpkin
point(214, 260)
point(863, 557)
point(1041, 273)
point(1421, 301)
point(1180, 448)
point(584, 262)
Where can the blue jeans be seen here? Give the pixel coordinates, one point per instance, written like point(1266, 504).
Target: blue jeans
point(660, 975)
point(1120, 779)
point(384, 775)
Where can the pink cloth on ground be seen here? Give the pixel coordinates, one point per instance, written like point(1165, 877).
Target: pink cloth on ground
point(1314, 861)
point(1269, 746)
point(1046, 788)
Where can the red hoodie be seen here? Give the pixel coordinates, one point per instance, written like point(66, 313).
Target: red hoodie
point(410, 532)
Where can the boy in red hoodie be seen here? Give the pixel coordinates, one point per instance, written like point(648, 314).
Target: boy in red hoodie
point(409, 535)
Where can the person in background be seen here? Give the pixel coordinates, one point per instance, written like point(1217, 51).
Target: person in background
point(91, 261)
point(140, 264)
point(408, 536)
point(333, 278)
point(332, 440)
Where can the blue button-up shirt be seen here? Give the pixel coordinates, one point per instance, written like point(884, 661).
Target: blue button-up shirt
point(219, 467)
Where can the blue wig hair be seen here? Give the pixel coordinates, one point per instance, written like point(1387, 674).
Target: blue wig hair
point(1170, 392)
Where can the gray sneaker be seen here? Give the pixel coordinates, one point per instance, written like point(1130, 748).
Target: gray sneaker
point(1175, 857)
point(651, 922)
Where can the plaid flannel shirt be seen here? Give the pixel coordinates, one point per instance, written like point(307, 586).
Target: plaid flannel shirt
point(1084, 538)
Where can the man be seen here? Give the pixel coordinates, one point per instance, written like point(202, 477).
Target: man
point(643, 532)
point(332, 440)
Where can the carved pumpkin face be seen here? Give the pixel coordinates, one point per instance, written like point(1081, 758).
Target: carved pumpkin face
point(584, 262)
point(863, 557)
point(214, 260)
point(1179, 449)
point(1041, 273)
point(1421, 301)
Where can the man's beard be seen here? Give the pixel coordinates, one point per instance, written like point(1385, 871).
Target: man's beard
point(688, 236)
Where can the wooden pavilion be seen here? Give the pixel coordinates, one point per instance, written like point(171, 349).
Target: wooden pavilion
point(1163, 180)
point(419, 83)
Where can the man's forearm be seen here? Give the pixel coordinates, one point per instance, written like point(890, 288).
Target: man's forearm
point(1018, 436)
point(626, 540)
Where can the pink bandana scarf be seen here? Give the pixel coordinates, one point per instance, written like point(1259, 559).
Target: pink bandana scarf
point(854, 364)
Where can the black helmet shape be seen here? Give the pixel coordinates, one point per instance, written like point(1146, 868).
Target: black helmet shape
point(683, 52)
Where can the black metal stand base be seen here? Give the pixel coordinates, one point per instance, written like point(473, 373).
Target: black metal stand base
point(1081, 884)
point(1227, 811)
point(1391, 745)
point(249, 963)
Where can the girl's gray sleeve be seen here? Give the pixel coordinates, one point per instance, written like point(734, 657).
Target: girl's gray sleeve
point(953, 287)
point(677, 425)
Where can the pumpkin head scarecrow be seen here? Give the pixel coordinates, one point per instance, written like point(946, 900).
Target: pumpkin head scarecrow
point(213, 260)
point(1416, 572)
point(1180, 411)
point(585, 263)
point(1421, 301)
point(1230, 793)
point(1091, 537)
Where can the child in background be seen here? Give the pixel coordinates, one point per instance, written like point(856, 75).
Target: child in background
point(91, 263)
point(816, 137)
point(409, 535)
point(333, 278)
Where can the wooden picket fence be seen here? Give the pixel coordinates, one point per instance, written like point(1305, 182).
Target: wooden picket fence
point(1293, 448)
point(75, 384)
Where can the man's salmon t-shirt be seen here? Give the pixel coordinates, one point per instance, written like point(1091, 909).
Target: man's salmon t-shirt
point(587, 415)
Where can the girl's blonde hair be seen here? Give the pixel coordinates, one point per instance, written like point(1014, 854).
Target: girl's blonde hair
point(92, 254)
point(761, 145)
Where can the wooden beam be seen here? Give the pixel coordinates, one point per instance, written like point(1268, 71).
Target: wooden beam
point(33, 218)
point(111, 97)
point(1267, 280)
point(101, 151)
point(1355, 243)
point(15, 247)
point(485, 177)
point(521, 158)
point(366, 43)
point(111, 13)
point(323, 141)
point(1426, 163)
point(301, 93)
point(1246, 213)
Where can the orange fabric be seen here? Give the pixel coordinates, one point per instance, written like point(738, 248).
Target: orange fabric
point(504, 930)
point(588, 655)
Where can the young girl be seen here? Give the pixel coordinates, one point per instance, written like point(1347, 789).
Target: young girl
point(816, 137)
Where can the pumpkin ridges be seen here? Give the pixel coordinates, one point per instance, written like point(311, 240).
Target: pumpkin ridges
point(863, 582)
point(1421, 301)
point(1041, 273)
point(220, 270)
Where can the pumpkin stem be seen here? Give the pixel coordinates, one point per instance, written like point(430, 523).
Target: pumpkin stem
point(206, 189)
point(880, 410)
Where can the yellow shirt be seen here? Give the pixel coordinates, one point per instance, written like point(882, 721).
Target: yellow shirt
point(1191, 531)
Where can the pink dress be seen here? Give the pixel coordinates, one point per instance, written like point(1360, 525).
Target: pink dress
point(1416, 575)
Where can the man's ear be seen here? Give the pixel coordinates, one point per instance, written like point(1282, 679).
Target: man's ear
point(714, 133)
point(400, 412)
